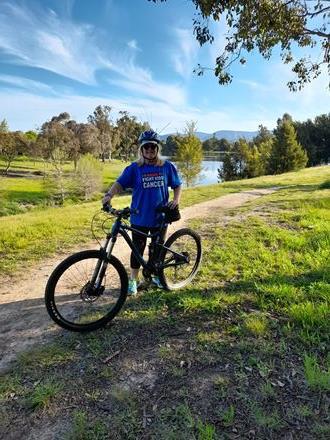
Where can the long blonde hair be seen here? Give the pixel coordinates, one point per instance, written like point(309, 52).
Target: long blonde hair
point(141, 161)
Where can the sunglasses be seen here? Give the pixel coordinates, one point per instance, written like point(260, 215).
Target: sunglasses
point(150, 147)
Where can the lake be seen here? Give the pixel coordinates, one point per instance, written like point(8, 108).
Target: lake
point(209, 173)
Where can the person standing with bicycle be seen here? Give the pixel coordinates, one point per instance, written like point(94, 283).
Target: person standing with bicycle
point(149, 177)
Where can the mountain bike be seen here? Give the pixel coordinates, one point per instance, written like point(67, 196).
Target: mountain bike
point(88, 289)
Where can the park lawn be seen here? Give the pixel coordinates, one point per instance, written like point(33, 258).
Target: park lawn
point(306, 176)
point(242, 352)
point(25, 164)
point(30, 165)
point(32, 236)
point(21, 194)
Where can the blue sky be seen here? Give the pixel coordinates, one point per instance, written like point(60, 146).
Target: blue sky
point(72, 55)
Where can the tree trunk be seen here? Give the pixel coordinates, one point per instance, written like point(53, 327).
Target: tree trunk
point(7, 167)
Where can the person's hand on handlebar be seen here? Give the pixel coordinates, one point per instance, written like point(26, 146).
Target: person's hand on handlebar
point(172, 204)
point(106, 199)
point(107, 207)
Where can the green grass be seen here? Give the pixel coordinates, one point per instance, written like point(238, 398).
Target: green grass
point(29, 165)
point(48, 356)
point(256, 324)
point(227, 417)
point(21, 194)
point(43, 394)
point(34, 235)
point(270, 421)
point(243, 349)
point(10, 386)
point(316, 378)
point(83, 429)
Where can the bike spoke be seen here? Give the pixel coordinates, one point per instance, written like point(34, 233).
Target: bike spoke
point(181, 260)
point(79, 304)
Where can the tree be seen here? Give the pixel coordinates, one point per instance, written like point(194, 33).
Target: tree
point(27, 143)
point(286, 154)
point(215, 144)
point(223, 145)
point(88, 176)
point(11, 143)
point(171, 145)
point(322, 138)
point(210, 144)
point(102, 121)
point(128, 131)
point(263, 135)
point(56, 143)
point(86, 140)
point(189, 154)
point(231, 164)
point(314, 136)
point(4, 126)
point(8, 149)
point(265, 149)
point(245, 160)
point(264, 25)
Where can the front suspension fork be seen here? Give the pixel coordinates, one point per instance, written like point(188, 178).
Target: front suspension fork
point(102, 263)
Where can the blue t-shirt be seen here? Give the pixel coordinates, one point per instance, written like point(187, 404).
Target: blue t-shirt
point(150, 189)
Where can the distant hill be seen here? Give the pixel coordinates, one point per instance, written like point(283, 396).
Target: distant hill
point(230, 135)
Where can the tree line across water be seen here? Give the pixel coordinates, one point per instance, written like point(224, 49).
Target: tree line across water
point(290, 146)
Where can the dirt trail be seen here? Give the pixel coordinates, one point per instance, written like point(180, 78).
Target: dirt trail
point(23, 317)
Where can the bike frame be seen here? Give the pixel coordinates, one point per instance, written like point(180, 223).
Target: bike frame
point(111, 238)
point(121, 229)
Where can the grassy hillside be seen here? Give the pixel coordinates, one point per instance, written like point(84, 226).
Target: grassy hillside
point(34, 235)
point(240, 353)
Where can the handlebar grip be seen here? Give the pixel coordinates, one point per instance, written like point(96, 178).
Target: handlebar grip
point(106, 207)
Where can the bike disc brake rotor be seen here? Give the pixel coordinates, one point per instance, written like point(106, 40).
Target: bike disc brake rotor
point(90, 294)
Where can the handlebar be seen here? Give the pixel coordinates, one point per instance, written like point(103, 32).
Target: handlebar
point(126, 212)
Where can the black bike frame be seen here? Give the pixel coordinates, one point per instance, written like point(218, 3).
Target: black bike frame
point(111, 238)
point(121, 228)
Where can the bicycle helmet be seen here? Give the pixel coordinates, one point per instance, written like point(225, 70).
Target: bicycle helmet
point(148, 137)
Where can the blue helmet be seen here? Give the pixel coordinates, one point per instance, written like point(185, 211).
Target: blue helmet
point(148, 137)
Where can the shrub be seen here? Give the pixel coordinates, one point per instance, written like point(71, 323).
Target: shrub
point(88, 176)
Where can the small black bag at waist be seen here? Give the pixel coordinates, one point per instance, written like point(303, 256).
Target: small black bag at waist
point(171, 215)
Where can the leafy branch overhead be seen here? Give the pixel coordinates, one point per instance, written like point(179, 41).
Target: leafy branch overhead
point(263, 25)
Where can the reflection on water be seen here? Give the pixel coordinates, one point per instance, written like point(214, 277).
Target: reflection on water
point(209, 173)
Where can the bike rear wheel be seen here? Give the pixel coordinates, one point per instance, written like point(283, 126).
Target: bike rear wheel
point(180, 259)
point(71, 300)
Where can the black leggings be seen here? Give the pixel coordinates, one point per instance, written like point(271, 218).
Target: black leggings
point(140, 242)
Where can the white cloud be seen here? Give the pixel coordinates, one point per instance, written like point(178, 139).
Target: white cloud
point(139, 80)
point(184, 55)
point(133, 45)
point(157, 113)
point(26, 83)
point(42, 39)
point(254, 85)
point(66, 48)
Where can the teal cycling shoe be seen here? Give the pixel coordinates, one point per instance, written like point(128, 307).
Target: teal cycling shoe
point(156, 282)
point(132, 288)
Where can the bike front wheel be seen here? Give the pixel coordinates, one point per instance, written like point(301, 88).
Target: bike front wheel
point(71, 300)
point(180, 259)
